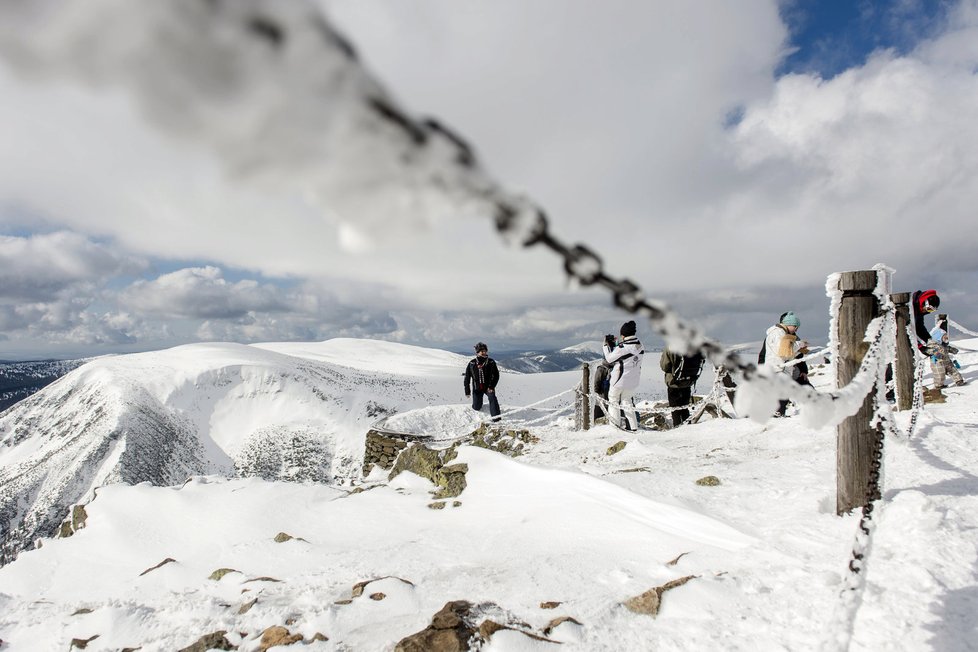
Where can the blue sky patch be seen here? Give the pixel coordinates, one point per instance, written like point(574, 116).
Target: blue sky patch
point(831, 36)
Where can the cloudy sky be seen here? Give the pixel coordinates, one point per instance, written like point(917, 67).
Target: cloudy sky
point(725, 156)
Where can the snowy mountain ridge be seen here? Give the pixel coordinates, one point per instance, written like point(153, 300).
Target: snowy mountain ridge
point(277, 411)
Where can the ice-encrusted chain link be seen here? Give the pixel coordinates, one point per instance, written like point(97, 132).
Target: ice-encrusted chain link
point(527, 225)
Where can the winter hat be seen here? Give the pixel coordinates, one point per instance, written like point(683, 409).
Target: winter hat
point(929, 299)
point(790, 319)
point(481, 346)
point(628, 329)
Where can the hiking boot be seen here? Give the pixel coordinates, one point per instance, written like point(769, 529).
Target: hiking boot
point(961, 382)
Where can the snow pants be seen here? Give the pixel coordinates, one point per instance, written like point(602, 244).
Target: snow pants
point(621, 401)
point(941, 365)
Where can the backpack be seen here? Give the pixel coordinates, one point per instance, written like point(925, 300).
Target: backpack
point(687, 370)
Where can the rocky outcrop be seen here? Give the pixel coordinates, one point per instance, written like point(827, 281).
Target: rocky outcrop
point(459, 626)
point(213, 641)
point(616, 448)
point(648, 603)
point(433, 465)
point(276, 636)
point(508, 441)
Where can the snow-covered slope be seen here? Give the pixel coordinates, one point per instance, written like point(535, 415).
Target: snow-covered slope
point(278, 411)
point(567, 530)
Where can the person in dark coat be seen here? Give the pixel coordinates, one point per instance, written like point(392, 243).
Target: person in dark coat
point(682, 372)
point(923, 303)
point(481, 377)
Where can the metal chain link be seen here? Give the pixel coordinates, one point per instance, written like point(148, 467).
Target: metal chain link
point(585, 267)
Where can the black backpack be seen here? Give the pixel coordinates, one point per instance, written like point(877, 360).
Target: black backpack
point(687, 370)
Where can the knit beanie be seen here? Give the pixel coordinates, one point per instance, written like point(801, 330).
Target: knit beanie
point(628, 329)
point(790, 319)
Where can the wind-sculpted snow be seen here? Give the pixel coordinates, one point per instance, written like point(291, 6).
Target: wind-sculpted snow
point(226, 409)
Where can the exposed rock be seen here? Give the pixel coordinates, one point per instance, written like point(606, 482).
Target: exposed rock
point(934, 395)
point(436, 505)
point(456, 503)
point(359, 587)
point(433, 465)
point(246, 607)
point(448, 631)
point(451, 480)
point(83, 610)
point(649, 602)
point(168, 560)
point(277, 636)
point(318, 636)
point(676, 560)
point(560, 620)
point(502, 440)
point(708, 481)
point(221, 572)
point(77, 522)
point(378, 596)
point(616, 448)
point(282, 537)
point(263, 578)
point(81, 643)
point(456, 628)
point(212, 641)
point(550, 605)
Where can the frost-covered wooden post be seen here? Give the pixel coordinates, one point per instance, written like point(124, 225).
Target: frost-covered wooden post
point(855, 437)
point(584, 398)
point(903, 369)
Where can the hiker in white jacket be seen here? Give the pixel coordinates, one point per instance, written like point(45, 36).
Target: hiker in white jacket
point(781, 346)
point(625, 357)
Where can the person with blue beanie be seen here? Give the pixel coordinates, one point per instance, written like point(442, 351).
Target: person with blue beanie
point(781, 346)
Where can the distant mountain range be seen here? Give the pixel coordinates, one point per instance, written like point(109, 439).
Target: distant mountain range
point(566, 359)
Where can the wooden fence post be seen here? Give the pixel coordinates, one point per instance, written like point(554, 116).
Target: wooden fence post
point(855, 438)
point(903, 371)
point(586, 397)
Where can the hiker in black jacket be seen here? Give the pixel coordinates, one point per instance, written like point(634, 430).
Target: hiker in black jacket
point(482, 374)
point(682, 372)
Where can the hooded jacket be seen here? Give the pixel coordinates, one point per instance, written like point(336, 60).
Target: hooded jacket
point(626, 363)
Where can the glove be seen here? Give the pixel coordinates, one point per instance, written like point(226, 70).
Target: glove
point(609, 341)
point(952, 350)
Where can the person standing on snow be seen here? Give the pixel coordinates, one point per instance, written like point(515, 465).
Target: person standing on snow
point(940, 360)
point(781, 346)
point(923, 303)
point(682, 372)
point(625, 356)
point(482, 375)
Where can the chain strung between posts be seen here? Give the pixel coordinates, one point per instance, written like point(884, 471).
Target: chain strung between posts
point(528, 226)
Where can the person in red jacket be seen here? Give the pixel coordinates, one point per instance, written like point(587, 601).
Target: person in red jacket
point(923, 303)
